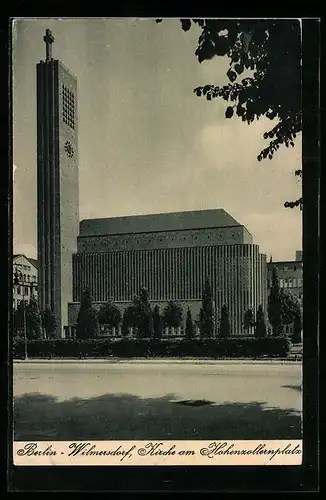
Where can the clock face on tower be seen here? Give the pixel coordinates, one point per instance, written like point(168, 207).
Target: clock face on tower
point(69, 149)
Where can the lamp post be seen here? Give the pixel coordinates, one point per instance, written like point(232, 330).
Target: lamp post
point(17, 282)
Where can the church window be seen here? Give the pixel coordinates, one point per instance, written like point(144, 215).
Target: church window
point(18, 290)
point(68, 106)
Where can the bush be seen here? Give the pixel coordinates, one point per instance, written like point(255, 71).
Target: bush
point(233, 347)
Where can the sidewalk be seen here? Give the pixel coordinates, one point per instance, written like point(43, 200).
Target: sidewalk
point(163, 361)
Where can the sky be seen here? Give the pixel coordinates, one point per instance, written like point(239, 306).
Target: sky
point(147, 144)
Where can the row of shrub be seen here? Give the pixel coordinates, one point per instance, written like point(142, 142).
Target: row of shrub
point(249, 347)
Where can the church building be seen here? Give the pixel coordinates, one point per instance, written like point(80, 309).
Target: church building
point(171, 255)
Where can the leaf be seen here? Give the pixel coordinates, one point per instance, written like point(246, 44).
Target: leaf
point(239, 68)
point(158, 20)
point(231, 75)
point(198, 91)
point(201, 22)
point(185, 24)
point(221, 46)
point(240, 110)
point(206, 89)
point(229, 112)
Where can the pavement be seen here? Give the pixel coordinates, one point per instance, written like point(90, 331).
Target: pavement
point(219, 381)
point(93, 399)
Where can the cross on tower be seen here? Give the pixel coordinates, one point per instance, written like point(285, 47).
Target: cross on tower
point(49, 39)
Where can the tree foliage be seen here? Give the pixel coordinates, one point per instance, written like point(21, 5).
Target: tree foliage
point(33, 319)
point(297, 326)
point(274, 304)
point(49, 322)
point(190, 330)
point(264, 74)
point(224, 330)
point(290, 307)
point(18, 319)
point(109, 315)
point(206, 313)
point(157, 323)
point(143, 314)
point(129, 319)
point(172, 315)
point(248, 320)
point(87, 321)
point(260, 324)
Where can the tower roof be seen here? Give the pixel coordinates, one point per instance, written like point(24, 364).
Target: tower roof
point(174, 221)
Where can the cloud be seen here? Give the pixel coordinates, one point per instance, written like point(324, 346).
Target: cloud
point(233, 143)
point(283, 226)
point(25, 249)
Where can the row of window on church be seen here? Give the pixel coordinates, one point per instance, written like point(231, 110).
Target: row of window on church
point(221, 236)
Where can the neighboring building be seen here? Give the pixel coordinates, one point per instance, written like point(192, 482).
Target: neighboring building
point(171, 255)
point(299, 255)
point(27, 271)
point(290, 275)
point(57, 182)
point(290, 278)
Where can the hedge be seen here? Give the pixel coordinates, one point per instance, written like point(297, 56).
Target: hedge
point(248, 347)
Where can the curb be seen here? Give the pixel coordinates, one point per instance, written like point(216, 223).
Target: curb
point(161, 361)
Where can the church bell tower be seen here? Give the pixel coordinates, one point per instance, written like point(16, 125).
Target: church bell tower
point(57, 182)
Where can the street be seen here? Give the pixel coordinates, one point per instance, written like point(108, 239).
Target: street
point(156, 400)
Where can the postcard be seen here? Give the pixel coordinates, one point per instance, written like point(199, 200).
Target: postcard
point(157, 296)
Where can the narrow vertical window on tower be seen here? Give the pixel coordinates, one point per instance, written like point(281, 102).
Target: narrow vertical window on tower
point(68, 106)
